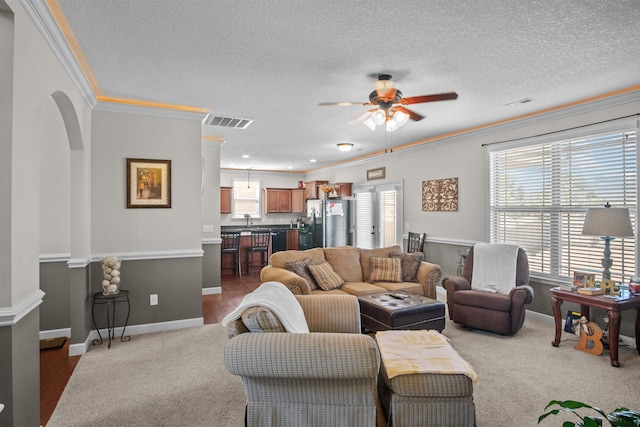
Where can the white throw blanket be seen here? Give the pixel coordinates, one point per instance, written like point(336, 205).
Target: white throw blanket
point(276, 297)
point(494, 267)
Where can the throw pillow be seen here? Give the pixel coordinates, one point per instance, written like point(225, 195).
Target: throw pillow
point(366, 254)
point(345, 261)
point(410, 264)
point(324, 276)
point(261, 319)
point(385, 270)
point(300, 268)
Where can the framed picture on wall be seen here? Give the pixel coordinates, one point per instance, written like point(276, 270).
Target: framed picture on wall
point(148, 183)
point(378, 173)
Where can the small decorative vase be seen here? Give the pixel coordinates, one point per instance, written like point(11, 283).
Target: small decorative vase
point(111, 275)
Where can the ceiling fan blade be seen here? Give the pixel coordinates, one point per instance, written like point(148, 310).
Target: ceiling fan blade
point(412, 115)
point(361, 117)
point(342, 104)
point(429, 98)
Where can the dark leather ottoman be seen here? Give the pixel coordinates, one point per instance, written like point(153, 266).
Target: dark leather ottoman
point(400, 310)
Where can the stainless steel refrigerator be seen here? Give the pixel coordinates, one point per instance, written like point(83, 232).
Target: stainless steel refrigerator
point(336, 222)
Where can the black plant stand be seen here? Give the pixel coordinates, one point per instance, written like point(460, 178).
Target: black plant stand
point(111, 300)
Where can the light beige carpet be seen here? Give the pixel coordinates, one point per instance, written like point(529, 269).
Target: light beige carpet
point(178, 378)
point(174, 378)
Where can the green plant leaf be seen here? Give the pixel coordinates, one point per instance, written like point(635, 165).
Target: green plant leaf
point(545, 415)
point(621, 417)
point(592, 422)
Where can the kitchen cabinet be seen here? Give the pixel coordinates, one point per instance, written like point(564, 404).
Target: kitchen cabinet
point(297, 200)
point(225, 200)
point(277, 200)
point(292, 240)
point(312, 189)
point(344, 189)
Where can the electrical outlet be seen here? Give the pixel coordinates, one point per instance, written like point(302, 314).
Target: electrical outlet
point(153, 299)
point(207, 228)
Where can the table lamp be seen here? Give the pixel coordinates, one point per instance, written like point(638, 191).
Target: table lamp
point(607, 223)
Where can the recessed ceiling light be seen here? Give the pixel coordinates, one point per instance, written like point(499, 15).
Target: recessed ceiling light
point(312, 160)
point(345, 146)
point(245, 156)
point(290, 167)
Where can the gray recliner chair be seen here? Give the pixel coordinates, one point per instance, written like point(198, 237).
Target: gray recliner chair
point(500, 313)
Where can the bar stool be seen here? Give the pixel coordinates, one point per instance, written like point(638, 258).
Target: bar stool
point(260, 242)
point(415, 242)
point(231, 245)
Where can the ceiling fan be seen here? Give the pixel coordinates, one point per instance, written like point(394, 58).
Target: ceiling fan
point(390, 105)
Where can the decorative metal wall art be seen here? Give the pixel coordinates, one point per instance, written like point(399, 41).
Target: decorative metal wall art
point(440, 195)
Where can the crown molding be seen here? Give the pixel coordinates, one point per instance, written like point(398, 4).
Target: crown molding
point(118, 107)
point(11, 315)
point(212, 140)
point(44, 21)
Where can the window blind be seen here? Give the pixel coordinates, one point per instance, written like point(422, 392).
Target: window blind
point(539, 195)
point(246, 198)
point(364, 230)
point(379, 218)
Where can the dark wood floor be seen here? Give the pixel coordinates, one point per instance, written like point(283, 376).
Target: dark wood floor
point(56, 366)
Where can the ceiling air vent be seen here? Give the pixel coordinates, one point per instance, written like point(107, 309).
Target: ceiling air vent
point(227, 122)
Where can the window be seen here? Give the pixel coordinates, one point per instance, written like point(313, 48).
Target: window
point(246, 198)
point(540, 192)
point(378, 215)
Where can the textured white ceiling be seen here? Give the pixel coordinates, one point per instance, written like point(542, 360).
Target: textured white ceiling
point(274, 61)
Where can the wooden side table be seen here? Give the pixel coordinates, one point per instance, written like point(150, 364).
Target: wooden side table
point(613, 306)
point(110, 300)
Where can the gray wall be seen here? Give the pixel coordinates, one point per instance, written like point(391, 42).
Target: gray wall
point(177, 282)
point(55, 310)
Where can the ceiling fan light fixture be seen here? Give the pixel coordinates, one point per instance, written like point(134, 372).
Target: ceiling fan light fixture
point(378, 117)
point(398, 120)
point(369, 123)
point(345, 146)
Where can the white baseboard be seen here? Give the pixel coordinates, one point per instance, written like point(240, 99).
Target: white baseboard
point(79, 349)
point(55, 333)
point(212, 291)
point(82, 348)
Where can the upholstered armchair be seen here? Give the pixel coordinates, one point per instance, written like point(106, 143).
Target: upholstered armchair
point(496, 312)
point(326, 377)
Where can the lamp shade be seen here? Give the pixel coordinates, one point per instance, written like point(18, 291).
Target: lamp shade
point(612, 222)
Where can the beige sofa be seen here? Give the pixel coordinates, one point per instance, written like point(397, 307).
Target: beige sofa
point(353, 265)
